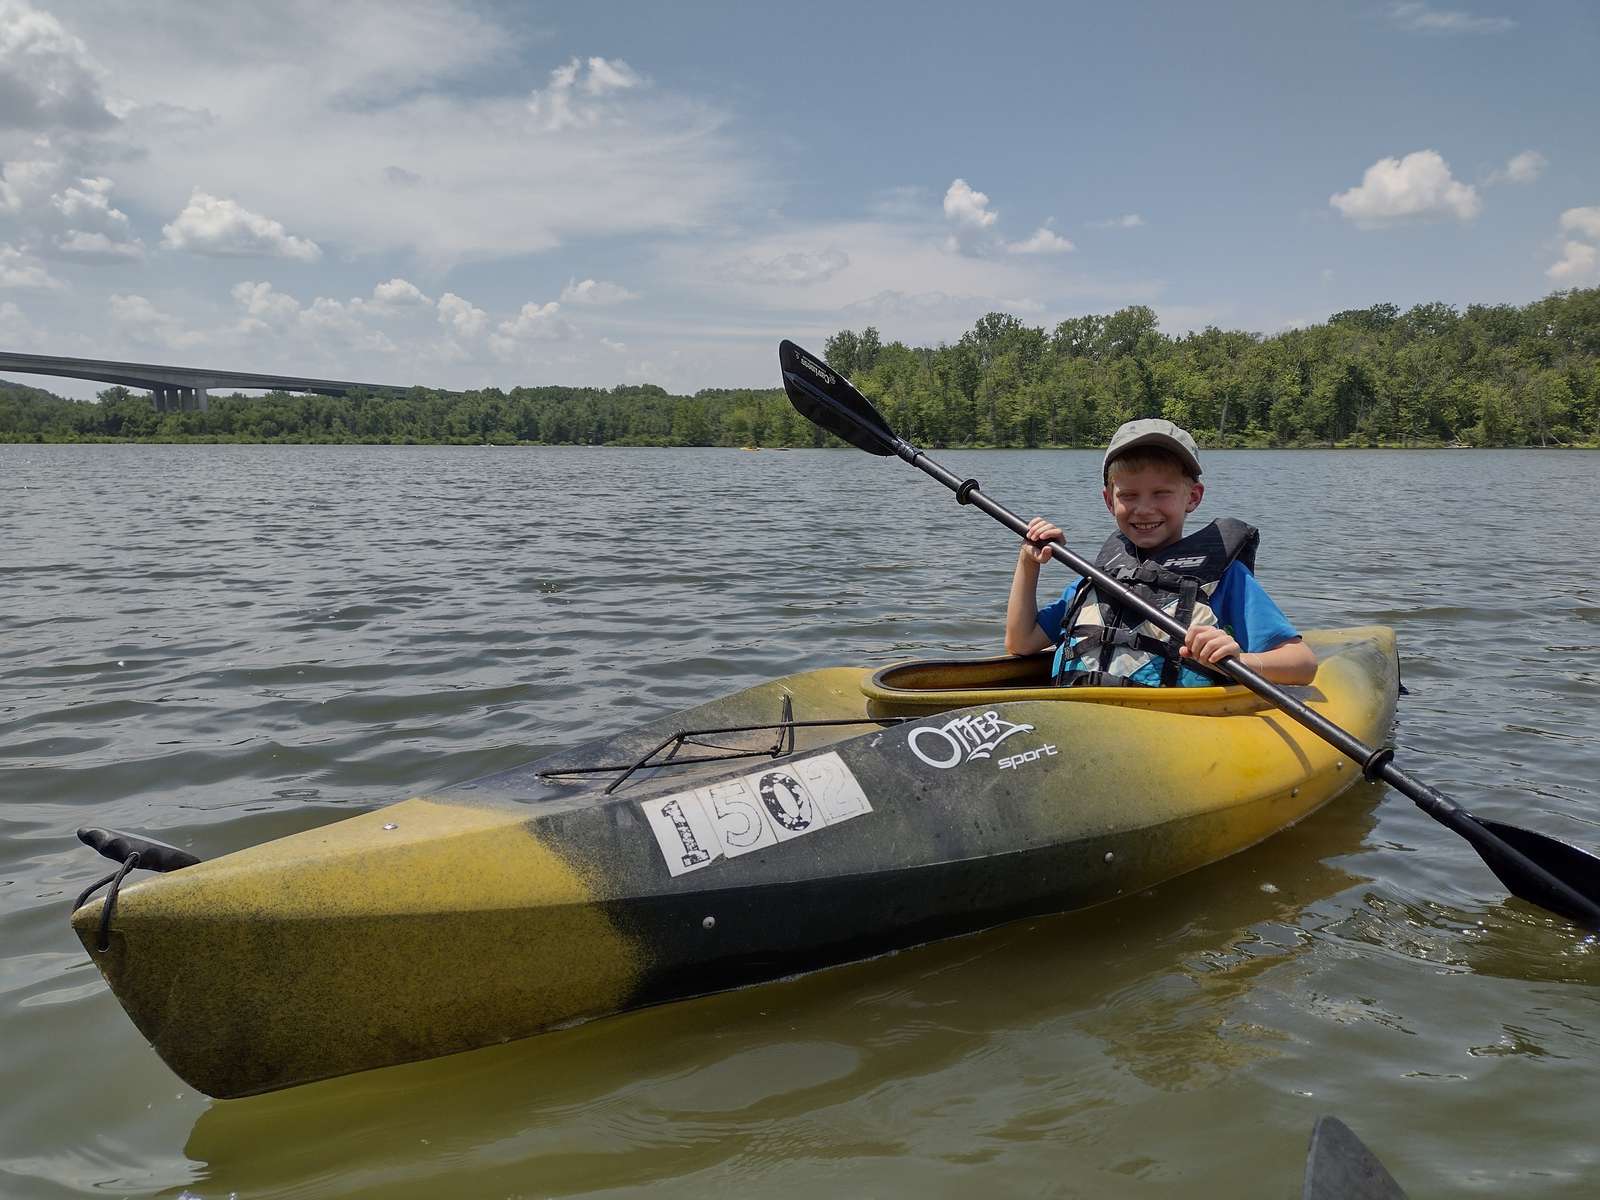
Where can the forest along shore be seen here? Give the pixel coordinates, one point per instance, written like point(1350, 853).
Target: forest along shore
point(1494, 375)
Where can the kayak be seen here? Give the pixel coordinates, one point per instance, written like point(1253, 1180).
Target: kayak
point(815, 819)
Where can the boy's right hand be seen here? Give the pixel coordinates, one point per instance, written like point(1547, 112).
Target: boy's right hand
point(1036, 548)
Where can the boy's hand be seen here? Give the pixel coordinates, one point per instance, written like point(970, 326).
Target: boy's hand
point(1208, 644)
point(1040, 534)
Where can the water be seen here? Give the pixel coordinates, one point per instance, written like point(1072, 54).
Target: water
point(222, 644)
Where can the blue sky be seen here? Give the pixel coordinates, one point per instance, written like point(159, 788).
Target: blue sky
point(467, 194)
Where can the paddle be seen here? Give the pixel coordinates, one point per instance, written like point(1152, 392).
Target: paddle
point(1552, 874)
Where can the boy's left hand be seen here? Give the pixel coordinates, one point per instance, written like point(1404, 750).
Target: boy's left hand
point(1209, 645)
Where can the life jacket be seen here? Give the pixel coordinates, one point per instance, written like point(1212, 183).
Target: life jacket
point(1103, 644)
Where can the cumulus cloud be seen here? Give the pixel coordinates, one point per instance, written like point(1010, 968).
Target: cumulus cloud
point(98, 247)
point(1522, 168)
point(798, 267)
point(400, 293)
point(19, 269)
point(25, 181)
point(968, 208)
point(595, 292)
point(573, 97)
point(533, 323)
point(1125, 221)
point(1417, 186)
point(221, 228)
point(264, 303)
point(142, 321)
point(461, 317)
point(1584, 222)
point(97, 230)
point(1424, 18)
point(324, 320)
point(1043, 241)
point(1579, 263)
point(48, 82)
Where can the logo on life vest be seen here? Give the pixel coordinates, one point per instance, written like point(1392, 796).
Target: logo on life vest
point(1179, 563)
point(962, 740)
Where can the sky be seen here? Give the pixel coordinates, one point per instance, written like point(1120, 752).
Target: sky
point(465, 194)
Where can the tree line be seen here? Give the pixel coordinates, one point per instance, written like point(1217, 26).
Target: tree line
point(1493, 375)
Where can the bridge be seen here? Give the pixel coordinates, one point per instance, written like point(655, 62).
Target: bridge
point(175, 388)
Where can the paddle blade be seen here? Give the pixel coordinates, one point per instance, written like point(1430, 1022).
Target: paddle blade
point(1576, 868)
point(826, 398)
point(1340, 1167)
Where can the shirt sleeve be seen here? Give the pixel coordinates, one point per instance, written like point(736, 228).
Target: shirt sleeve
point(1051, 615)
point(1244, 609)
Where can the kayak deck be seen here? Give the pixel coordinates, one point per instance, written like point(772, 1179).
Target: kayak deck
point(536, 897)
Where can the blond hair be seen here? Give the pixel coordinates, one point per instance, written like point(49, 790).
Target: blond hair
point(1141, 457)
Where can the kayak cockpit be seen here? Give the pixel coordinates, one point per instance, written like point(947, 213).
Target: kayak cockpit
point(924, 687)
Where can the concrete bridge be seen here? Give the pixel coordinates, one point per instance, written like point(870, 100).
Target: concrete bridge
point(174, 388)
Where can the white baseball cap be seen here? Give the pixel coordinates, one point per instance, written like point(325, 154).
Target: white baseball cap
point(1152, 431)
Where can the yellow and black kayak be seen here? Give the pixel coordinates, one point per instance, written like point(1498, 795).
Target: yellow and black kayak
point(812, 820)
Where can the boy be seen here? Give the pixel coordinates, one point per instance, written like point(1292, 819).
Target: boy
point(1151, 472)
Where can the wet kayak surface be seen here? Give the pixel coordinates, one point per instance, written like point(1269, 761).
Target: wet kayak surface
point(222, 645)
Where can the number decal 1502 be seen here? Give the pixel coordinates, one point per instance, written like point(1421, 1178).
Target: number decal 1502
point(736, 816)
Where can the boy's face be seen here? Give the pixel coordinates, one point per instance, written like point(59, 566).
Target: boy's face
point(1149, 504)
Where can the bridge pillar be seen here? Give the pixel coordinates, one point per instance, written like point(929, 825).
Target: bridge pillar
point(161, 394)
point(200, 398)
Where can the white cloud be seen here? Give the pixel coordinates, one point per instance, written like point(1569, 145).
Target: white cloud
point(1522, 168)
point(400, 293)
point(1418, 185)
point(1043, 241)
point(1424, 18)
point(798, 267)
point(568, 102)
point(1125, 221)
point(967, 207)
point(461, 316)
point(90, 203)
point(98, 247)
point(1579, 263)
point(265, 304)
point(22, 183)
point(1585, 222)
point(533, 323)
point(19, 269)
point(220, 227)
point(610, 76)
point(48, 81)
point(97, 231)
point(418, 103)
point(595, 292)
point(142, 321)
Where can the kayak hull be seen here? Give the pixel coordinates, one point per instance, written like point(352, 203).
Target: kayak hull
point(533, 899)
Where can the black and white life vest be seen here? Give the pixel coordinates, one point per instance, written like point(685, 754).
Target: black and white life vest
point(1103, 644)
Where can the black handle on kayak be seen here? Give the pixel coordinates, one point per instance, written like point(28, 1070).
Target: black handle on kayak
point(1540, 869)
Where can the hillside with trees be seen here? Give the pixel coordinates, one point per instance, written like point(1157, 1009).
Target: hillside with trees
point(1494, 375)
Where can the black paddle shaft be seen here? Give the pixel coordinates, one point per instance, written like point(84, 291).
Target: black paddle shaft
point(1542, 870)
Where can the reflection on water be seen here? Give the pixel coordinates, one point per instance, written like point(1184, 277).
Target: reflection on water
point(221, 645)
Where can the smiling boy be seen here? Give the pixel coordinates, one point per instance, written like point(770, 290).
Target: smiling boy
point(1151, 472)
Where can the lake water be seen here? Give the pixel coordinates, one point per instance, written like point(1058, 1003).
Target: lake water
point(222, 644)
